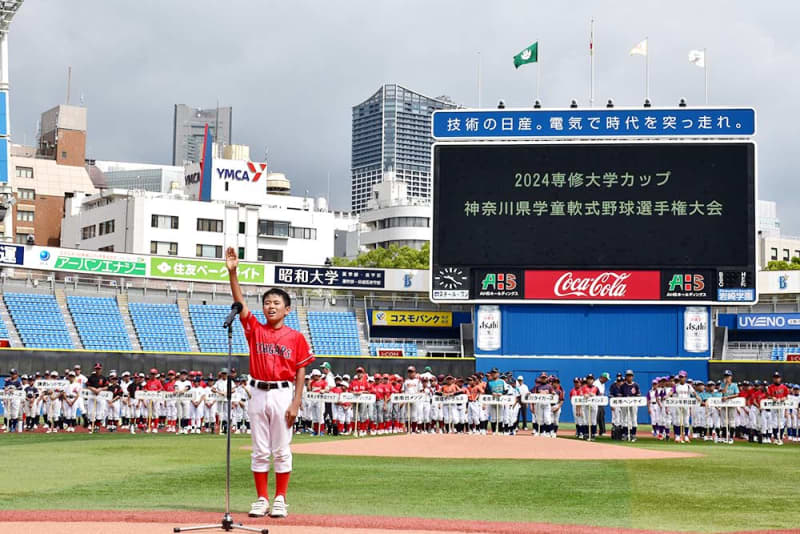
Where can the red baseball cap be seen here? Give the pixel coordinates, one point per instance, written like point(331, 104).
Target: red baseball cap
point(377, 376)
point(171, 372)
point(153, 371)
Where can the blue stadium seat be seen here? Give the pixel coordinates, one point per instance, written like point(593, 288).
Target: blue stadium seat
point(159, 327)
point(99, 323)
point(38, 320)
point(334, 333)
point(207, 322)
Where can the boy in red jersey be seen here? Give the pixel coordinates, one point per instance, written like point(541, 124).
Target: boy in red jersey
point(278, 358)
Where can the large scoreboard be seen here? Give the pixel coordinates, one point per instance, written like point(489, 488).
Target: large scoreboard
point(604, 221)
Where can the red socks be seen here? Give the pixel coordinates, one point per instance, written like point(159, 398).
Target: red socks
point(281, 483)
point(261, 484)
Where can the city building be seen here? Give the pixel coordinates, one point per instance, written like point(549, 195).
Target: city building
point(394, 218)
point(240, 213)
point(141, 176)
point(63, 135)
point(392, 133)
point(42, 177)
point(772, 245)
point(188, 129)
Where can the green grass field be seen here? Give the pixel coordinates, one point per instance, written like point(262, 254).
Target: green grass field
point(731, 488)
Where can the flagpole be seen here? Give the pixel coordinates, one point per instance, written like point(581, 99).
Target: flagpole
point(591, 63)
point(705, 71)
point(647, 69)
point(538, 69)
point(479, 79)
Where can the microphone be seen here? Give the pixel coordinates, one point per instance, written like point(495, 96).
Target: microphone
point(236, 307)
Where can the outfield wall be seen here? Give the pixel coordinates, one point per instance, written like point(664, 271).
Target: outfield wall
point(31, 360)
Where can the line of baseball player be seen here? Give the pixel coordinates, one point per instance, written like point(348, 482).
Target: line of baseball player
point(423, 402)
point(184, 402)
point(187, 402)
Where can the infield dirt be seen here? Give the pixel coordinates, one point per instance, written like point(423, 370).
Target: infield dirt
point(519, 447)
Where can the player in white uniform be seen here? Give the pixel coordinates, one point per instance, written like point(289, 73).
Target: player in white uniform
point(197, 406)
point(220, 389)
point(413, 386)
point(681, 414)
point(53, 403)
point(72, 395)
point(183, 404)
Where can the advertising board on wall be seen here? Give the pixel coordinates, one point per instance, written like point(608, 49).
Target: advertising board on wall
point(111, 264)
point(412, 318)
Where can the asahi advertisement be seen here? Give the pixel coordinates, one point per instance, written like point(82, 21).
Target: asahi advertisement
point(489, 333)
point(695, 329)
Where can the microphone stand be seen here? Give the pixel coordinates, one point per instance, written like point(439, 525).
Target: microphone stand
point(227, 523)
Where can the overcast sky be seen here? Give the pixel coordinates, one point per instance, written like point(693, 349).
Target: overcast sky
point(292, 70)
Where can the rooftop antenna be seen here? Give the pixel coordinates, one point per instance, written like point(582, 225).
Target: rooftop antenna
point(69, 82)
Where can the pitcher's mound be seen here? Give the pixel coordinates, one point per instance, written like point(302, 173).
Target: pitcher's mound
point(519, 447)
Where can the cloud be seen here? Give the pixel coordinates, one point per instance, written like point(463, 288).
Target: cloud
point(293, 70)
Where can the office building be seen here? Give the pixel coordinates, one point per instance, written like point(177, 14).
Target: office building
point(392, 133)
point(189, 126)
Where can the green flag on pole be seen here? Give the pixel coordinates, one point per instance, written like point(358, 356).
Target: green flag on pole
point(528, 55)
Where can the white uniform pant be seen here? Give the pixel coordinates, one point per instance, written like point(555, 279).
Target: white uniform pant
point(113, 410)
point(629, 416)
point(511, 415)
point(68, 411)
point(543, 414)
point(13, 409)
point(474, 411)
point(53, 409)
point(171, 409)
point(196, 414)
point(271, 437)
point(95, 409)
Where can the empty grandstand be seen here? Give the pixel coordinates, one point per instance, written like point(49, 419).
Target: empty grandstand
point(159, 327)
point(334, 333)
point(99, 323)
point(38, 320)
point(207, 322)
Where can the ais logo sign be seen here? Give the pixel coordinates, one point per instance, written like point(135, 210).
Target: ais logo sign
point(251, 174)
point(687, 282)
point(681, 285)
point(494, 284)
point(499, 282)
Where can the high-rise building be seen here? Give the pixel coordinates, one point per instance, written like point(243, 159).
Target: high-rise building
point(188, 129)
point(392, 133)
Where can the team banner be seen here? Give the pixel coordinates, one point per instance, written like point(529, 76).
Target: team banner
point(412, 318)
point(675, 402)
point(779, 404)
point(540, 398)
point(11, 394)
point(624, 402)
point(589, 400)
point(718, 402)
point(54, 385)
point(454, 400)
point(405, 398)
point(494, 400)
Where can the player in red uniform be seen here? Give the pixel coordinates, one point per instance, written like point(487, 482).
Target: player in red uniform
point(777, 391)
point(278, 358)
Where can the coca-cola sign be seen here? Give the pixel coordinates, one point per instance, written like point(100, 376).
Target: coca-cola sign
point(592, 285)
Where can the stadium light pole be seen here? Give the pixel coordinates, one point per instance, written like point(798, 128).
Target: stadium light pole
point(8, 8)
